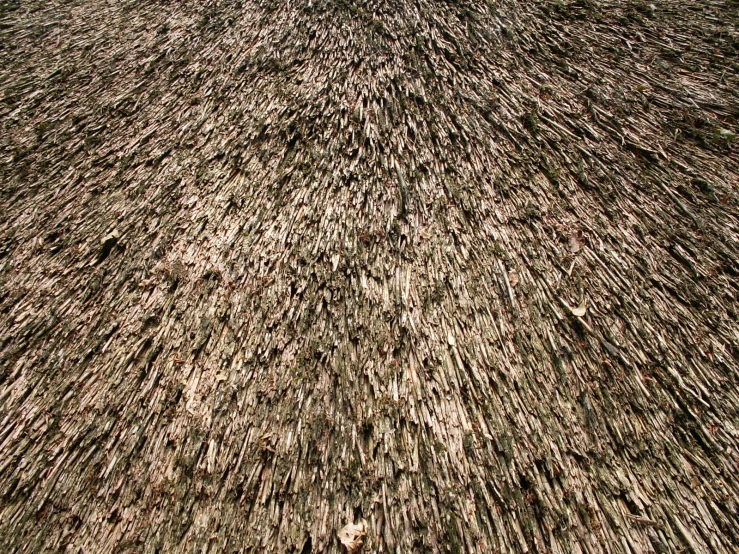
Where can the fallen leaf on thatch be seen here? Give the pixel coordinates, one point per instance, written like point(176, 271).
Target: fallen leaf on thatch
point(106, 245)
point(111, 237)
point(727, 134)
point(352, 536)
point(580, 310)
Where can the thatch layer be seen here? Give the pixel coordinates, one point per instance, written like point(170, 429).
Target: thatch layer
point(467, 271)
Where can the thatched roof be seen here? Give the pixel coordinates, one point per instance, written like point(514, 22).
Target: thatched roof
point(465, 271)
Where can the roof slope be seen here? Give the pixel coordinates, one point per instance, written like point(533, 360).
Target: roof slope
point(465, 270)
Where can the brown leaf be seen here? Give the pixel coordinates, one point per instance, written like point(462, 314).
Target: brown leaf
point(352, 536)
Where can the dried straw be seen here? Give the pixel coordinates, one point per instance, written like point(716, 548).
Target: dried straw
point(467, 271)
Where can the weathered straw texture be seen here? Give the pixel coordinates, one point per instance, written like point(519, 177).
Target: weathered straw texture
point(465, 270)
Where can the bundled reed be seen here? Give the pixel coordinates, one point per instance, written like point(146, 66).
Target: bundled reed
point(382, 276)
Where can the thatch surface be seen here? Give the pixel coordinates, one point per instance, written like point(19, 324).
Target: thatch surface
point(466, 271)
